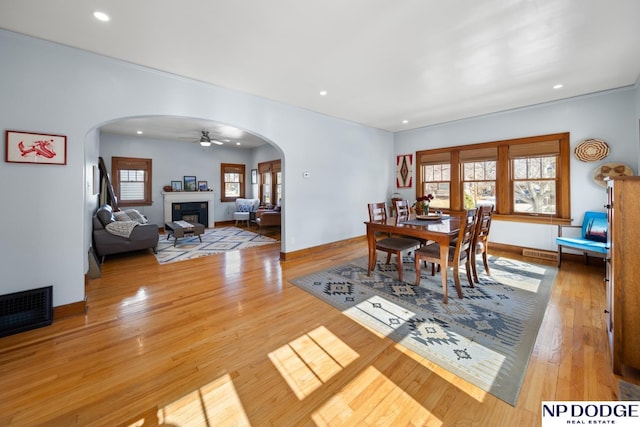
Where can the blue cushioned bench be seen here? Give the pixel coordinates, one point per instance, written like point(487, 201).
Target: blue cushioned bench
point(592, 240)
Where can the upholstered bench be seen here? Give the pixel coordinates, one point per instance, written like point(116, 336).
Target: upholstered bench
point(593, 238)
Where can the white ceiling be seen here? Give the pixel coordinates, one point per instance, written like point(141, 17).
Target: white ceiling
point(380, 61)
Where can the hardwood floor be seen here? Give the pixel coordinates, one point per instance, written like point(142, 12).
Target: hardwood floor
point(227, 340)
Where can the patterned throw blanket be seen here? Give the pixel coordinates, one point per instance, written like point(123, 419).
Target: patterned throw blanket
point(121, 228)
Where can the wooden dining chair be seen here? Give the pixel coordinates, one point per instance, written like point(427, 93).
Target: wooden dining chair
point(481, 240)
point(392, 245)
point(402, 209)
point(457, 253)
point(403, 213)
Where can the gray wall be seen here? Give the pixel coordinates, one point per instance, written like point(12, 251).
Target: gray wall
point(45, 224)
point(610, 116)
point(45, 227)
point(172, 160)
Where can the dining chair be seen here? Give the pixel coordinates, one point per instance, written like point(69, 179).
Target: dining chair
point(392, 245)
point(457, 253)
point(481, 240)
point(403, 213)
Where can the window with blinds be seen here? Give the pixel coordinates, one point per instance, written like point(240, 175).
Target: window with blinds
point(523, 177)
point(232, 181)
point(534, 177)
point(270, 182)
point(132, 180)
point(479, 167)
point(436, 172)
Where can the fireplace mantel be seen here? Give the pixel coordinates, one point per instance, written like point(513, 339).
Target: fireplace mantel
point(188, 196)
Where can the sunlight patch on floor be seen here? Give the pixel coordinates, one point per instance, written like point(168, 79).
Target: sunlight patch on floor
point(217, 403)
point(311, 360)
point(387, 316)
point(354, 405)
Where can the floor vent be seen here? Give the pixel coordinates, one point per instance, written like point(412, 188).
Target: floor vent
point(536, 253)
point(26, 310)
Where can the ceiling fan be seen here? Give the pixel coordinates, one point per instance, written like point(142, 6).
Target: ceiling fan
point(206, 141)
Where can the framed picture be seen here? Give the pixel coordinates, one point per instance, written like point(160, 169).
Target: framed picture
point(404, 165)
point(189, 183)
point(176, 185)
point(28, 147)
point(203, 186)
point(254, 176)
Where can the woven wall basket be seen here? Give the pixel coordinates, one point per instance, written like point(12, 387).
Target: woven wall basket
point(608, 170)
point(591, 150)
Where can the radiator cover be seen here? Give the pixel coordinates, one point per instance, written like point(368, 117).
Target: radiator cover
point(25, 310)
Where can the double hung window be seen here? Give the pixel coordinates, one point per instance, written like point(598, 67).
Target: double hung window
point(526, 179)
point(270, 182)
point(132, 180)
point(232, 181)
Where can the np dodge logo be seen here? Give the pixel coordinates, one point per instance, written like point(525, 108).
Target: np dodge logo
point(591, 413)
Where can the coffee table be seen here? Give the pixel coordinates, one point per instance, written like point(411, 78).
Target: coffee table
point(179, 229)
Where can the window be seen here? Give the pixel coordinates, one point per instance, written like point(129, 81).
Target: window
point(436, 173)
point(534, 177)
point(479, 169)
point(527, 179)
point(232, 181)
point(131, 180)
point(270, 182)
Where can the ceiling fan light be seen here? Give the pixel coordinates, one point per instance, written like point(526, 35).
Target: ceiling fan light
point(205, 143)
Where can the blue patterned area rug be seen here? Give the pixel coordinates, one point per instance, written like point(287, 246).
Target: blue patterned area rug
point(485, 338)
point(214, 241)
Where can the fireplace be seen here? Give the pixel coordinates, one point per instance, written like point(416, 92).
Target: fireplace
point(190, 211)
point(200, 203)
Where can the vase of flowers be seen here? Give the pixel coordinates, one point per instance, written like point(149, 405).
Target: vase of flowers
point(421, 204)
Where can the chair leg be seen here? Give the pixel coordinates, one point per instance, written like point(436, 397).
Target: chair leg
point(399, 257)
point(474, 269)
point(417, 267)
point(469, 271)
point(485, 261)
point(456, 279)
point(388, 257)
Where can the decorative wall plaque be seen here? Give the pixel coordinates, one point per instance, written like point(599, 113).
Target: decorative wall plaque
point(591, 150)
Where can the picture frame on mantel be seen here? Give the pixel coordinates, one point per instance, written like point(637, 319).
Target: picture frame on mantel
point(190, 183)
point(176, 185)
point(39, 148)
point(203, 186)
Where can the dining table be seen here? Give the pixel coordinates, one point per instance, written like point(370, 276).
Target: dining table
point(442, 229)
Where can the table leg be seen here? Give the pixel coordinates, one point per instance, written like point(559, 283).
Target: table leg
point(371, 239)
point(444, 267)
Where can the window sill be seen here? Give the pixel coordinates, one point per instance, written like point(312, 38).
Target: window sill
point(532, 219)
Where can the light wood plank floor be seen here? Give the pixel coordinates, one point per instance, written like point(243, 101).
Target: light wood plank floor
point(227, 340)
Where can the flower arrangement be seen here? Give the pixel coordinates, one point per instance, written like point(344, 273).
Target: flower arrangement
point(422, 202)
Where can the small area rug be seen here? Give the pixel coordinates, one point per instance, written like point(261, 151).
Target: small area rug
point(214, 241)
point(485, 338)
point(628, 391)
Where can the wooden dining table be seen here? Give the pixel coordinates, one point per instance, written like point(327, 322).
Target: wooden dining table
point(441, 231)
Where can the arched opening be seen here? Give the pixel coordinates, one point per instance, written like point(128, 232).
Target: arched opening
point(173, 144)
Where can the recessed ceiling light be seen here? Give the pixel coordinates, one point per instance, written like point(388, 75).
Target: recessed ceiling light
point(139, 132)
point(405, 122)
point(323, 93)
point(101, 16)
point(237, 143)
point(558, 86)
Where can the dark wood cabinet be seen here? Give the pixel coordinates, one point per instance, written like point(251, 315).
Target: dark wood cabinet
point(623, 272)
